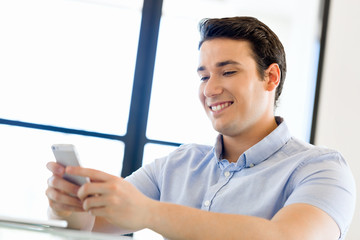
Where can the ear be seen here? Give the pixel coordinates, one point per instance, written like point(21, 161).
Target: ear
point(272, 77)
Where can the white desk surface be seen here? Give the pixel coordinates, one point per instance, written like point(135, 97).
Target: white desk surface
point(14, 231)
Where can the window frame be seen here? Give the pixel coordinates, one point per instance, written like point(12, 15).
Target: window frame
point(135, 138)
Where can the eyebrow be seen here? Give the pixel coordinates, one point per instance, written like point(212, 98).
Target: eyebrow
point(219, 64)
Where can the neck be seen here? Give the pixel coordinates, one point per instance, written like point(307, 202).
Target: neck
point(236, 145)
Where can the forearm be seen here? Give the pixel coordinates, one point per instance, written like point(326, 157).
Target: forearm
point(102, 225)
point(180, 222)
point(293, 222)
point(122, 205)
point(76, 220)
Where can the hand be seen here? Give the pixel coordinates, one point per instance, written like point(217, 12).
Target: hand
point(108, 196)
point(62, 195)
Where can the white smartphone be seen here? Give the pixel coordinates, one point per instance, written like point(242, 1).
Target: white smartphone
point(65, 154)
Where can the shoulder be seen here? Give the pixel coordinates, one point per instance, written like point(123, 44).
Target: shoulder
point(150, 178)
point(296, 145)
point(187, 154)
point(182, 156)
point(191, 149)
point(309, 153)
point(323, 179)
point(311, 159)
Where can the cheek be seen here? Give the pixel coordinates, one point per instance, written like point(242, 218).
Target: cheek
point(201, 94)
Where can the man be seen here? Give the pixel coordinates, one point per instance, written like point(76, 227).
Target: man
point(257, 182)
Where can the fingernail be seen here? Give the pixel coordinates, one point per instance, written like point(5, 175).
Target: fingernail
point(59, 171)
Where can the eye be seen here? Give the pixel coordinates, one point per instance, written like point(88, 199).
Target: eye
point(204, 78)
point(229, 73)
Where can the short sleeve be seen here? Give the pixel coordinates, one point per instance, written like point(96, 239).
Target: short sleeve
point(146, 179)
point(326, 182)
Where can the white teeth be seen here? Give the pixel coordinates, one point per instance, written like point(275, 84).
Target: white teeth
point(220, 106)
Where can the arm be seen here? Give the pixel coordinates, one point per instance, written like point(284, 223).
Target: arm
point(121, 204)
point(298, 221)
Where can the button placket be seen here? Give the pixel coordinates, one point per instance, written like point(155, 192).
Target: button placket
point(224, 179)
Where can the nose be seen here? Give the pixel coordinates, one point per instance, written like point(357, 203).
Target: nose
point(212, 87)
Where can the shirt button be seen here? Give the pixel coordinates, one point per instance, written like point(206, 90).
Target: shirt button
point(251, 165)
point(207, 203)
point(227, 174)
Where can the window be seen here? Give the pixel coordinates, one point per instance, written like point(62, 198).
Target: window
point(176, 82)
point(66, 70)
point(68, 63)
point(117, 78)
point(24, 154)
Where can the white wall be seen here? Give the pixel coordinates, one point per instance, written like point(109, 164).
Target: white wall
point(339, 113)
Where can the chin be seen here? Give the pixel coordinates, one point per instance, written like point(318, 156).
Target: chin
point(220, 128)
point(227, 129)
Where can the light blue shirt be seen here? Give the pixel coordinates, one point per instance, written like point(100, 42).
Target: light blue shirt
point(277, 171)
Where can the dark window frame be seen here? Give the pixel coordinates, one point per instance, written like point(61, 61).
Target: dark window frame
point(135, 138)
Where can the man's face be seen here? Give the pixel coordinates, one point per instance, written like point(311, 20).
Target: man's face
point(232, 92)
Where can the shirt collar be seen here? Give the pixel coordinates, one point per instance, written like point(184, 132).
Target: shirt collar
point(261, 150)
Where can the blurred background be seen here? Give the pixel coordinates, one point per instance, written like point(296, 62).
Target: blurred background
point(117, 78)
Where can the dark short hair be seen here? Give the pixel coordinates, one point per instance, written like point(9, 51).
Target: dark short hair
point(266, 46)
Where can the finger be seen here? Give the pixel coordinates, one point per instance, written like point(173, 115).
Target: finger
point(94, 175)
point(93, 189)
point(63, 185)
point(56, 168)
point(58, 207)
point(94, 201)
point(61, 198)
point(97, 206)
point(98, 212)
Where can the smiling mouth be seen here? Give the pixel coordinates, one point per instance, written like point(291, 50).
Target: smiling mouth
point(220, 106)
